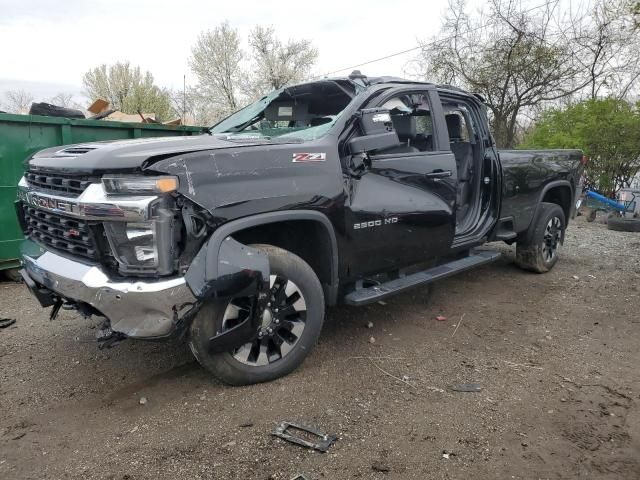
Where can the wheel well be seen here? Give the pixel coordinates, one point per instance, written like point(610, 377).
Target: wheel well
point(560, 195)
point(306, 238)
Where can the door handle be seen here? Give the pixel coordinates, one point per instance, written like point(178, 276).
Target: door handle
point(438, 174)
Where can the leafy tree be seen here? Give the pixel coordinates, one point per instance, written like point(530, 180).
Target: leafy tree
point(217, 62)
point(127, 89)
point(608, 130)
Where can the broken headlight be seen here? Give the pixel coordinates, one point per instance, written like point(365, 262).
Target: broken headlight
point(145, 248)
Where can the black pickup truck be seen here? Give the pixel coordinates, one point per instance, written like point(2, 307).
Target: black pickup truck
point(342, 190)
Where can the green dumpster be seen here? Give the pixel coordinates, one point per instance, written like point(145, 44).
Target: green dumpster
point(21, 135)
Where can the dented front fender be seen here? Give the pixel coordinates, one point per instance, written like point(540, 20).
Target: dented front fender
point(227, 269)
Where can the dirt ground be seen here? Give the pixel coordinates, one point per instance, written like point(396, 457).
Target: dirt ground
point(556, 355)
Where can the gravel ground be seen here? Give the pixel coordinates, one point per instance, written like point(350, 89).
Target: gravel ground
point(556, 356)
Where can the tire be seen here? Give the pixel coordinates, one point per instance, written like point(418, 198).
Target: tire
point(298, 330)
point(621, 224)
point(540, 253)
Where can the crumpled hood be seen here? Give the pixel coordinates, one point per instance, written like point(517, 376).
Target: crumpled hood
point(124, 155)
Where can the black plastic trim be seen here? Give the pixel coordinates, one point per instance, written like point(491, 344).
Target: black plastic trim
point(534, 219)
point(228, 229)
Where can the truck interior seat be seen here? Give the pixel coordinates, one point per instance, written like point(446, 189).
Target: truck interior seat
point(405, 127)
point(463, 152)
point(461, 149)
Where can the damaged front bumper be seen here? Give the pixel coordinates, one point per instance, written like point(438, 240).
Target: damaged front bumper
point(151, 309)
point(137, 309)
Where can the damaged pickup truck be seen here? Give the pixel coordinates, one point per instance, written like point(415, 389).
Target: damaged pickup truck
point(343, 190)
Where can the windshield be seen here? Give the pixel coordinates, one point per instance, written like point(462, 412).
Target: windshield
point(299, 113)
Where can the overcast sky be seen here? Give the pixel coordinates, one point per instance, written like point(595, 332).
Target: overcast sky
point(48, 45)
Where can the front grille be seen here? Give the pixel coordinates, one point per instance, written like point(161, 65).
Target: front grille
point(60, 232)
point(59, 183)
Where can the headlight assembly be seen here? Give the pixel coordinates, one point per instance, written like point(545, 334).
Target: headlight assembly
point(139, 185)
point(146, 248)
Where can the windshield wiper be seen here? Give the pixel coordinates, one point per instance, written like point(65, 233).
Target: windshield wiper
point(239, 128)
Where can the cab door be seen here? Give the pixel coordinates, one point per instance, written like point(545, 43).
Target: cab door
point(401, 208)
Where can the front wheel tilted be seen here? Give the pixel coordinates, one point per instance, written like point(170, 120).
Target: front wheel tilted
point(282, 323)
point(287, 329)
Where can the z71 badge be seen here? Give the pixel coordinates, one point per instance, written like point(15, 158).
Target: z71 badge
point(309, 157)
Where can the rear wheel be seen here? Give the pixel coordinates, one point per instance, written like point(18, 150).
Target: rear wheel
point(288, 328)
point(540, 253)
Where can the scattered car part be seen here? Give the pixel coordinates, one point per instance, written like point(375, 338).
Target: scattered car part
point(283, 430)
point(106, 337)
point(7, 322)
point(380, 467)
point(467, 387)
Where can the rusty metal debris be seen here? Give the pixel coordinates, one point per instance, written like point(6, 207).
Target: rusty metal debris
point(285, 431)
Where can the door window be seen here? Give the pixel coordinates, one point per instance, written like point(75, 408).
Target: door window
point(411, 117)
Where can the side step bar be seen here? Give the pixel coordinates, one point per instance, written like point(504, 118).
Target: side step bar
point(476, 258)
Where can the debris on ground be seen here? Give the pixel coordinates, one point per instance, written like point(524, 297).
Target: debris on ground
point(285, 430)
point(372, 339)
point(143, 400)
point(7, 322)
point(380, 467)
point(369, 324)
point(406, 428)
point(458, 325)
point(441, 318)
point(466, 387)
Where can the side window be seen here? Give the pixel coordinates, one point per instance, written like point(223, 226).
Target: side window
point(457, 125)
point(411, 117)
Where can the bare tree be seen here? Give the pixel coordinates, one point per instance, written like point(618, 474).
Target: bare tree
point(127, 89)
point(277, 64)
point(607, 47)
point(508, 56)
point(66, 100)
point(17, 101)
point(217, 62)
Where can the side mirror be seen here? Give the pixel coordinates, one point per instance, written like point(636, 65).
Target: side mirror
point(377, 129)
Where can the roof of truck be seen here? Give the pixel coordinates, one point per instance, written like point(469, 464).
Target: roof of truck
point(357, 78)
